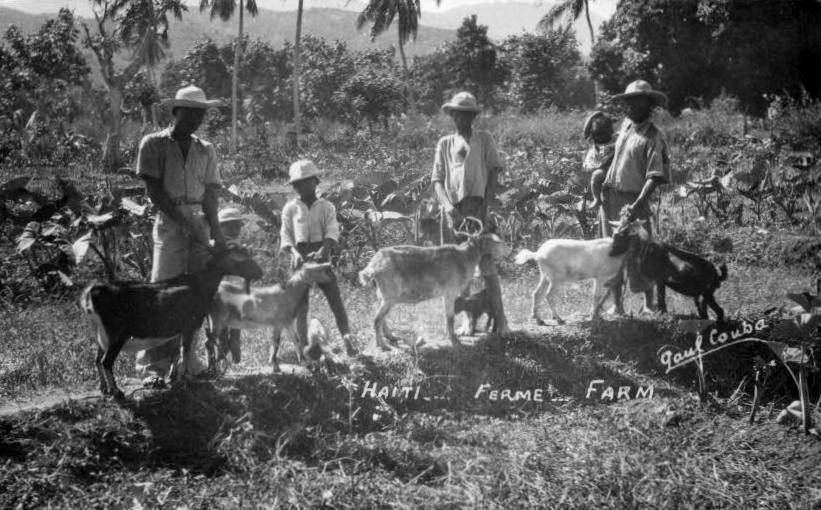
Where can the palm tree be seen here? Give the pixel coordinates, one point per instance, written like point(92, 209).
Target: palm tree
point(225, 10)
point(297, 73)
point(561, 10)
point(380, 14)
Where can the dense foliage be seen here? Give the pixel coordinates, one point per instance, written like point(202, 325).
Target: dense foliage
point(744, 48)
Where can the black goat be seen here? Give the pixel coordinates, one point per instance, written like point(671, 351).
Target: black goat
point(682, 271)
point(474, 305)
point(138, 315)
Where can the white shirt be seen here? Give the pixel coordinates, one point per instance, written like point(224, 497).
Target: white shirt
point(303, 224)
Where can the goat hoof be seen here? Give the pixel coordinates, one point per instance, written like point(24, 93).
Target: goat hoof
point(560, 322)
point(539, 322)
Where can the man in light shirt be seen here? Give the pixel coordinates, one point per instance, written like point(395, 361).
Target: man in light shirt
point(641, 163)
point(465, 171)
point(182, 180)
point(310, 231)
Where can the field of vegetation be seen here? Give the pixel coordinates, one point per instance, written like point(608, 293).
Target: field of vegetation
point(582, 415)
point(321, 439)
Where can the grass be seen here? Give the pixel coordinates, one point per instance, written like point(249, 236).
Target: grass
point(300, 440)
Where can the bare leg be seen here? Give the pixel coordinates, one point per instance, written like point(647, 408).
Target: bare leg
point(276, 335)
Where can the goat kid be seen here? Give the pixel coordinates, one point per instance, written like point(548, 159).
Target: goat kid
point(474, 305)
point(412, 274)
point(133, 316)
point(569, 260)
point(274, 307)
point(684, 272)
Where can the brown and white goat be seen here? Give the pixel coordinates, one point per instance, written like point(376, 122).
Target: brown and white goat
point(133, 316)
point(683, 271)
point(569, 260)
point(412, 274)
point(274, 307)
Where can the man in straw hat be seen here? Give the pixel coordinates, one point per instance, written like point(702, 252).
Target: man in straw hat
point(641, 163)
point(182, 180)
point(465, 171)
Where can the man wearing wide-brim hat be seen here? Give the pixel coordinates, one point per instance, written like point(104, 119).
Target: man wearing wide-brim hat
point(182, 180)
point(640, 164)
point(465, 171)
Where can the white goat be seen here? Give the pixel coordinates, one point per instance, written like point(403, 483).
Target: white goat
point(411, 274)
point(274, 307)
point(568, 260)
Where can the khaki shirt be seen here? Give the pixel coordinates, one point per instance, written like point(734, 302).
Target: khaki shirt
point(641, 153)
point(303, 224)
point(463, 167)
point(160, 157)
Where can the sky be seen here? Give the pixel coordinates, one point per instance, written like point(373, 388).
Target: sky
point(82, 7)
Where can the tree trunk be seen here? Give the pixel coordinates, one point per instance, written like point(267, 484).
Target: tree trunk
point(111, 152)
point(592, 42)
point(235, 83)
point(405, 79)
point(297, 72)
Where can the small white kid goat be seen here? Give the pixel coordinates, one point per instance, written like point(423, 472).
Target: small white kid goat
point(274, 307)
point(569, 260)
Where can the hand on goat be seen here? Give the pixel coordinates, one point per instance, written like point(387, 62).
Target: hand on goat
point(296, 259)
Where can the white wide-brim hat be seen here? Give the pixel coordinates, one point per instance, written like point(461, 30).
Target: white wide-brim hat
point(462, 101)
point(191, 97)
point(302, 169)
point(642, 88)
point(230, 214)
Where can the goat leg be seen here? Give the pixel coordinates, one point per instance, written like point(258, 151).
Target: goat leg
point(661, 296)
point(101, 372)
point(276, 335)
point(550, 291)
point(537, 296)
point(379, 325)
point(450, 307)
point(709, 299)
point(702, 307)
point(109, 357)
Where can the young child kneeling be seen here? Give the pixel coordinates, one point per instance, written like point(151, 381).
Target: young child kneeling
point(598, 130)
point(310, 231)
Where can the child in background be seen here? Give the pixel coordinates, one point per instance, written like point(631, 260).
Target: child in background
point(231, 222)
point(598, 130)
point(310, 231)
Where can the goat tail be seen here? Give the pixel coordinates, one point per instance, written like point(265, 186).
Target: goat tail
point(86, 301)
point(366, 276)
point(524, 255)
point(723, 272)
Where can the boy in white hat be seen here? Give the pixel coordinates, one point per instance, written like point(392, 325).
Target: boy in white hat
point(641, 163)
point(231, 222)
point(182, 180)
point(465, 171)
point(310, 231)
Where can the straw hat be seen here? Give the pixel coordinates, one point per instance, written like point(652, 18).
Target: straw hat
point(302, 169)
point(191, 97)
point(230, 214)
point(642, 88)
point(462, 101)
